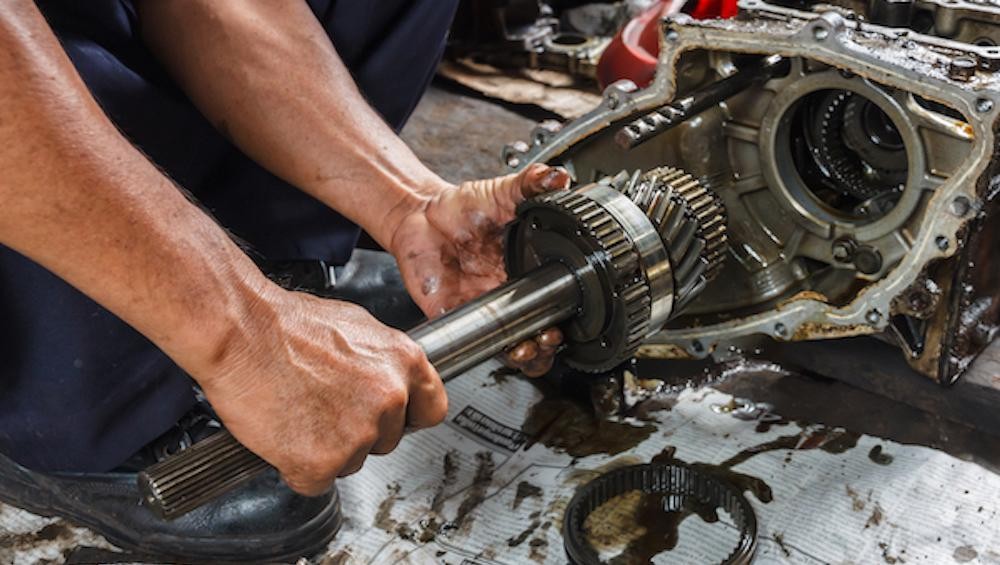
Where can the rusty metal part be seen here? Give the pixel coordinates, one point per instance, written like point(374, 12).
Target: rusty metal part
point(839, 251)
point(974, 22)
point(962, 68)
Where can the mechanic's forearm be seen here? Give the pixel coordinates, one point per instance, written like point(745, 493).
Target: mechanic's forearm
point(267, 75)
point(77, 198)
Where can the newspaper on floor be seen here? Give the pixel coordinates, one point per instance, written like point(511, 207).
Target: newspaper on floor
point(477, 491)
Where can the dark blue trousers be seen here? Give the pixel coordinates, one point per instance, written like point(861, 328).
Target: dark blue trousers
point(79, 389)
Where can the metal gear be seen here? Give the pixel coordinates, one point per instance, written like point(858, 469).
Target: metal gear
point(857, 162)
point(574, 227)
point(830, 152)
point(582, 229)
point(869, 133)
point(690, 219)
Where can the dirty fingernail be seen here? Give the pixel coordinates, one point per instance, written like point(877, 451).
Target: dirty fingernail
point(556, 178)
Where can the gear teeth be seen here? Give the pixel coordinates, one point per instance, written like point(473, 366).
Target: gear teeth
point(638, 301)
point(691, 221)
point(602, 228)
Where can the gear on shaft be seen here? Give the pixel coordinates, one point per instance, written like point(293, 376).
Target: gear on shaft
point(691, 221)
point(640, 259)
point(608, 263)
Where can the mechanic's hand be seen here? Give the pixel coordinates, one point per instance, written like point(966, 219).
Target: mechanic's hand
point(320, 385)
point(451, 250)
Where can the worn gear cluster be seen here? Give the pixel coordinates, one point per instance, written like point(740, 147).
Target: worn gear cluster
point(691, 221)
point(643, 246)
point(857, 150)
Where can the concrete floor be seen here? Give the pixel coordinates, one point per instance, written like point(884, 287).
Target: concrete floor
point(459, 135)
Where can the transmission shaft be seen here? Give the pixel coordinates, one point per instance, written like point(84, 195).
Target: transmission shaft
point(609, 263)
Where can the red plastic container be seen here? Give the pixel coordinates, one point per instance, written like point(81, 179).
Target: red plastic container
point(632, 53)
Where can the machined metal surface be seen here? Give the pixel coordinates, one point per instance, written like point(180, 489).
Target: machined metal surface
point(484, 327)
point(851, 179)
point(215, 465)
point(691, 220)
point(658, 121)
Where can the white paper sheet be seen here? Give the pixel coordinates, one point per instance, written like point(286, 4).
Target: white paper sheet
point(924, 507)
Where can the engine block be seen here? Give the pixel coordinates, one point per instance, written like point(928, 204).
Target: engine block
point(860, 180)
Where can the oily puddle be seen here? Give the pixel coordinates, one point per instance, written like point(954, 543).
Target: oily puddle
point(637, 527)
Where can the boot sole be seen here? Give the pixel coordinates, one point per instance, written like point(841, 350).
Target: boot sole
point(307, 540)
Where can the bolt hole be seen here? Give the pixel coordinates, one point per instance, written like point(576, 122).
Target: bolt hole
point(960, 206)
point(569, 39)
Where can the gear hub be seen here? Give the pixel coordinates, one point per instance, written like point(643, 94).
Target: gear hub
point(642, 247)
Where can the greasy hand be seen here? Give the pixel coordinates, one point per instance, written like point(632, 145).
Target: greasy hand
point(450, 250)
point(317, 385)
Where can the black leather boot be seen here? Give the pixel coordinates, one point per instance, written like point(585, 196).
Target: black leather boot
point(263, 521)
